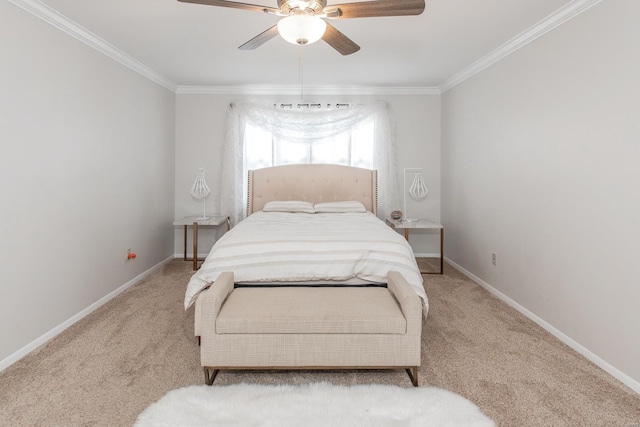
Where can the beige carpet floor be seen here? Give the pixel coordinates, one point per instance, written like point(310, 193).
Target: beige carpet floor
point(107, 368)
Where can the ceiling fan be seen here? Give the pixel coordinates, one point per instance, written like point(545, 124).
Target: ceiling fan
point(304, 20)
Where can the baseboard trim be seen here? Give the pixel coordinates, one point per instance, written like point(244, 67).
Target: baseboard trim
point(621, 376)
point(13, 358)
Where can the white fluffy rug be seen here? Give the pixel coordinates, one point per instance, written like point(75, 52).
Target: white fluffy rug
point(319, 404)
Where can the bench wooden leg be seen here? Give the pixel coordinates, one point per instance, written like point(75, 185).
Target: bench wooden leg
point(413, 375)
point(210, 375)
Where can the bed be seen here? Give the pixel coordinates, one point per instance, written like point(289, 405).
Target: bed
point(307, 226)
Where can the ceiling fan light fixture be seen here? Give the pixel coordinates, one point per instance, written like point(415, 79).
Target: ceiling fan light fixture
point(302, 29)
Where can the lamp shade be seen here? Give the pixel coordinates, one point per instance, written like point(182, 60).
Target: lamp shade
point(200, 190)
point(302, 29)
point(418, 189)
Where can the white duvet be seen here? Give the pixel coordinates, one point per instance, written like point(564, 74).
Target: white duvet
point(271, 247)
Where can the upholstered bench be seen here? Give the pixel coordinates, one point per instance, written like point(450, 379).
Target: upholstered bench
point(295, 327)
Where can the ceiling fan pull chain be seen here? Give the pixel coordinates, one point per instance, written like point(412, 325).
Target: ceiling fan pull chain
point(301, 74)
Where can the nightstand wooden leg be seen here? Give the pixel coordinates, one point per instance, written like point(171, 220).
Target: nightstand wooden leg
point(185, 242)
point(442, 250)
point(195, 245)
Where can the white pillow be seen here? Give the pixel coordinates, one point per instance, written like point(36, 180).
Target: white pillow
point(340, 207)
point(289, 206)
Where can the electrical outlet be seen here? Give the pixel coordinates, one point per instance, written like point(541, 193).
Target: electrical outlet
point(493, 259)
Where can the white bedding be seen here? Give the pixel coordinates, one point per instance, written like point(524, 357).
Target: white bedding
point(271, 247)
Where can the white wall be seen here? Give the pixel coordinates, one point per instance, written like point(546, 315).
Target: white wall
point(200, 126)
point(540, 166)
point(199, 143)
point(418, 140)
point(86, 171)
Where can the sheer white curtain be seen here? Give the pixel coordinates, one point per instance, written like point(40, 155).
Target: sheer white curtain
point(307, 126)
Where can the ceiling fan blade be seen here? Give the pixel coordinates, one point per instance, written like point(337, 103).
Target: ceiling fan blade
point(339, 41)
point(371, 9)
point(260, 39)
point(234, 5)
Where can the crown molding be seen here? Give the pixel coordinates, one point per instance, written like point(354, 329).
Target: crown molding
point(554, 20)
point(55, 18)
point(311, 90)
point(51, 16)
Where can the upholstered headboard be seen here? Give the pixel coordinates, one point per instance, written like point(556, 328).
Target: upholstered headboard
point(315, 183)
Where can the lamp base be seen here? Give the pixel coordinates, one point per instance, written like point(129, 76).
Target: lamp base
point(410, 219)
point(203, 218)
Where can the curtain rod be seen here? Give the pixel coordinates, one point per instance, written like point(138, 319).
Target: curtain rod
point(305, 105)
point(309, 105)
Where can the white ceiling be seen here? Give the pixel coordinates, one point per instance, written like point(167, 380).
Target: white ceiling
point(196, 45)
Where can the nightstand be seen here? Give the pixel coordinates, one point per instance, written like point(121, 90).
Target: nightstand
point(421, 224)
point(195, 222)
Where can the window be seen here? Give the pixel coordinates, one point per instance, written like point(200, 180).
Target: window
point(259, 136)
point(353, 147)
